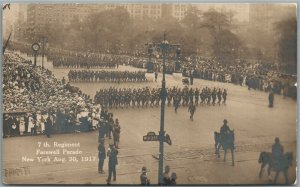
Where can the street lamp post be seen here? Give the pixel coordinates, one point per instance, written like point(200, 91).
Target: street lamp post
point(165, 48)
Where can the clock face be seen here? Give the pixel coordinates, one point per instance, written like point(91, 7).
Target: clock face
point(35, 47)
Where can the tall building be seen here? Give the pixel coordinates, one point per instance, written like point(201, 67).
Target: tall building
point(141, 10)
point(179, 10)
point(39, 15)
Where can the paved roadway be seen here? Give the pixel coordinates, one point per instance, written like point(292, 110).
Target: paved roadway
point(192, 154)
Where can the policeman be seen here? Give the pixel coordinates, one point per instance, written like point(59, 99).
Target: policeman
point(112, 162)
point(101, 156)
point(144, 177)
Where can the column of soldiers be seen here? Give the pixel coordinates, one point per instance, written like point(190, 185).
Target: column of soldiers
point(83, 61)
point(107, 76)
point(144, 97)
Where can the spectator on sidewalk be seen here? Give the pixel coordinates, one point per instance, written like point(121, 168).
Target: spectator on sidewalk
point(173, 179)
point(101, 156)
point(144, 177)
point(166, 175)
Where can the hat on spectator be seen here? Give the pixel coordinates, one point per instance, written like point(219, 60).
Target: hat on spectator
point(144, 169)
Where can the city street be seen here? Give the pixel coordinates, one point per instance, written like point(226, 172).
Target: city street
point(191, 155)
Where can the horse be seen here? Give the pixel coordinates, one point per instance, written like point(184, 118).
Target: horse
point(278, 165)
point(227, 142)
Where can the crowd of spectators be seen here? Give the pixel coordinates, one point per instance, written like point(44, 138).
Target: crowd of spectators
point(32, 96)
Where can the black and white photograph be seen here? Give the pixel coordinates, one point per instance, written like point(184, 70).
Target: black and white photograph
point(155, 93)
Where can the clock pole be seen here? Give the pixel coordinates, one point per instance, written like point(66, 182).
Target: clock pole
point(35, 48)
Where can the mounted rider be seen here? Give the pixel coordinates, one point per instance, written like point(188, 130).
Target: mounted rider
point(224, 130)
point(277, 151)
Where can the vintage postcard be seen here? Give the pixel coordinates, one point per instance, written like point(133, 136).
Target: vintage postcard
point(149, 94)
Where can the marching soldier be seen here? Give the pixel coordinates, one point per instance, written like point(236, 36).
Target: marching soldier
point(214, 96)
point(169, 96)
point(208, 96)
point(192, 110)
point(197, 96)
point(224, 96)
point(219, 94)
point(176, 102)
point(191, 96)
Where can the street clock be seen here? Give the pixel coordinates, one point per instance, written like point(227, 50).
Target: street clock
point(35, 47)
